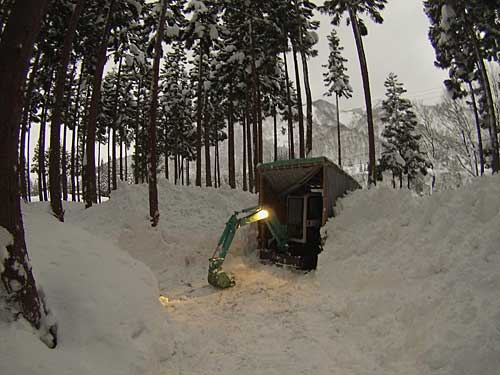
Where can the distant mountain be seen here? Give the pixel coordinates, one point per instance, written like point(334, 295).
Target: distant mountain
point(354, 137)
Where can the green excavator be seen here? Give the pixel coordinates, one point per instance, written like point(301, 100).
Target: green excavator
point(221, 279)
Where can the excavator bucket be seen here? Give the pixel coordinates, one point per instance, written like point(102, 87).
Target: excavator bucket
point(216, 276)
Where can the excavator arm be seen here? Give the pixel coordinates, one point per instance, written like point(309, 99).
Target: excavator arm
point(216, 276)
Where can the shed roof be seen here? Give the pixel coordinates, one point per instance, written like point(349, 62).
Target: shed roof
point(293, 163)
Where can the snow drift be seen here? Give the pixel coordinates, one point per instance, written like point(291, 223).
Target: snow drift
point(405, 285)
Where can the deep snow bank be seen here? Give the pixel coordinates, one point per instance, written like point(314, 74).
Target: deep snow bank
point(417, 280)
point(105, 302)
point(191, 221)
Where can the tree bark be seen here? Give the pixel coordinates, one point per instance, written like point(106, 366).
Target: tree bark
point(99, 165)
point(256, 107)
point(89, 168)
point(275, 121)
point(208, 172)
point(244, 124)
point(28, 163)
point(74, 132)
point(55, 127)
point(23, 174)
point(199, 116)
point(368, 101)
point(137, 120)
point(478, 128)
point(299, 102)
point(154, 211)
point(121, 155)
point(115, 121)
point(249, 149)
point(230, 156)
point(41, 143)
point(485, 83)
point(338, 130)
point(16, 48)
point(291, 149)
point(309, 116)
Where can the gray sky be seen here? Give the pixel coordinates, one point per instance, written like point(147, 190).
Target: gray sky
point(399, 45)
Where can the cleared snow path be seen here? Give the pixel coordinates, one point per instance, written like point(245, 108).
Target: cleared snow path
point(406, 285)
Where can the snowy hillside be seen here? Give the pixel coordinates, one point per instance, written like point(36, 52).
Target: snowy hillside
point(353, 136)
point(405, 285)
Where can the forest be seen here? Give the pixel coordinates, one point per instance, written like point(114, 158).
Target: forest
point(126, 89)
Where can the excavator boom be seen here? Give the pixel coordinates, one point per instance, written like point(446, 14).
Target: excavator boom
point(216, 276)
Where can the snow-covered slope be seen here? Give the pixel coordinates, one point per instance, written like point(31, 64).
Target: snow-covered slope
point(405, 285)
point(105, 303)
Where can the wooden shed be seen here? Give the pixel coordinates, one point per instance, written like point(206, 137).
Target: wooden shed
point(301, 194)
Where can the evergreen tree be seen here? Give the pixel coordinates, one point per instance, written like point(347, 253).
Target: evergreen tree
point(336, 80)
point(356, 8)
point(401, 150)
point(55, 128)
point(463, 36)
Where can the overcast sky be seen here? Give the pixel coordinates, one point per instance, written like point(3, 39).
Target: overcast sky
point(399, 45)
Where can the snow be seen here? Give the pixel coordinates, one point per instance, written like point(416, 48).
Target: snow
point(405, 285)
point(5, 240)
point(105, 303)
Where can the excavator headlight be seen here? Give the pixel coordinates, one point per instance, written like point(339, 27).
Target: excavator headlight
point(262, 214)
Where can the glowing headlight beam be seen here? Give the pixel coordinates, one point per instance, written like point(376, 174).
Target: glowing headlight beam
point(262, 214)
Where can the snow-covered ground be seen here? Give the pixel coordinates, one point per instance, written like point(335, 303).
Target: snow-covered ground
point(405, 285)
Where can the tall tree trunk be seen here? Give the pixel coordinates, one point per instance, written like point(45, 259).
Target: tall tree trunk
point(76, 115)
point(55, 127)
point(73, 160)
point(126, 171)
point(230, 150)
point(275, 123)
point(64, 169)
point(249, 149)
point(208, 162)
point(77, 163)
point(175, 169)
point(67, 122)
point(199, 116)
point(23, 174)
point(338, 129)
point(41, 142)
point(478, 128)
point(108, 169)
point(291, 148)
point(115, 124)
point(154, 211)
point(113, 161)
point(16, 48)
point(244, 124)
point(309, 114)
point(28, 163)
point(299, 102)
point(307, 87)
point(187, 172)
point(165, 152)
point(99, 165)
point(121, 156)
point(368, 100)
point(137, 141)
point(89, 170)
point(64, 161)
point(182, 171)
point(256, 107)
point(217, 158)
point(485, 83)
